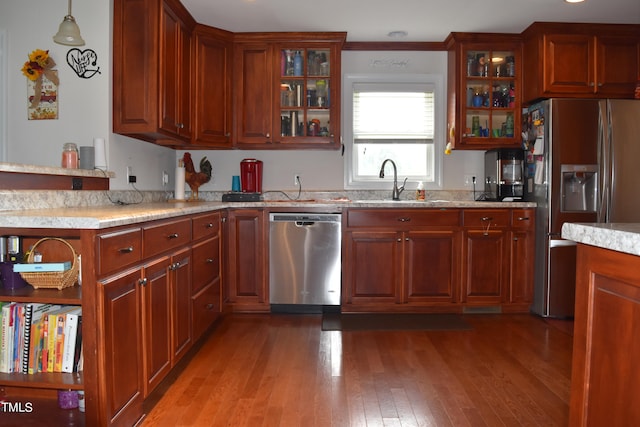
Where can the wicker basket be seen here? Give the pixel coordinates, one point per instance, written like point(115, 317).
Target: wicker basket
point(53, 279)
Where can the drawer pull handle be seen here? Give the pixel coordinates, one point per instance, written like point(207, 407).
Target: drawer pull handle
point(126, 250)
point(523, 218)
point(486, 218)
point(172, 236)
point(404, 219)
point(209, 261)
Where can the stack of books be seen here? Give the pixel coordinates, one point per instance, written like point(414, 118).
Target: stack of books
point(40, 338)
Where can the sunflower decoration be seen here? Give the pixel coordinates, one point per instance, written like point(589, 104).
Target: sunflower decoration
point(39, 64)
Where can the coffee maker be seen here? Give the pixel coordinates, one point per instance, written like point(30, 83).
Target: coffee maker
point(251, 176)
point(504, 172)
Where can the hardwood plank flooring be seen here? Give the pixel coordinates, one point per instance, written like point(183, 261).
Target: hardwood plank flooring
point(283, 370)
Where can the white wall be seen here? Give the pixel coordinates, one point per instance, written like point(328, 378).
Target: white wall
point(84, 104)
point(85, 110)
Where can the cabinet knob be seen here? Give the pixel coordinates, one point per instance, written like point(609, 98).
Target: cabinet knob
point(399, 239)
point(143, 281)
point(406, 239)
point(268, 135)
point(515, 239)
point(591, 84)
point(172, 236)
point(209, 306)
point(486, 218)
point(209, 260)
point(210, 225)
point(405, 219)
point(180, 125)
point(126, 250)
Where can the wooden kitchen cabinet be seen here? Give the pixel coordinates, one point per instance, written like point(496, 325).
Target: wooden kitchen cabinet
point(152, 71)
point(122, 369)
point(581, 60)
point(180, 281)
point(212, 101)
point(156, 322)
point(497, 261)
point(484, 87)
point(400, 260)
point(246, 280)
point(606, 339)
point(276, 104)
point(206, 289)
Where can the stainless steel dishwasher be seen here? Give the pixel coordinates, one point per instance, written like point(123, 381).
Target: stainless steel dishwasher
point(304, 261)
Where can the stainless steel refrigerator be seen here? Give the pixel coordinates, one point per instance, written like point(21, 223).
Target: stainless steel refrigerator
point(581, 160)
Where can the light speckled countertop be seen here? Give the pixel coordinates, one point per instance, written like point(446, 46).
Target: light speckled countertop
point(616, 236)
point(99, 217)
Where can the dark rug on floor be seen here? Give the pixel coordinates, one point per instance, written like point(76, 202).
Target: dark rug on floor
point(393, 322)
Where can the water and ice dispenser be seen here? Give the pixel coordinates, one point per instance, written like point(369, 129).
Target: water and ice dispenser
point(578, 188)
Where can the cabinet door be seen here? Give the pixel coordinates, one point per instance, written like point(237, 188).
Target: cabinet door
point(569, 64)
point(247, 286)
point(485, 266)
point(431, 266)
point(181, 303)
point(521, 271)
point(122, 339)
point(212, 89)
point(372, 268)
point(253, 70)
point(617, 62)
point(206, 308)
point(156, 323)
point(175, 57)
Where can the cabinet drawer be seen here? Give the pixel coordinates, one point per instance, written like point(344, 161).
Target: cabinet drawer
point(206, 263)
point(523, 219)
point(206, 225)
point(163, 236)
point(394, 218)
point(487, 218)
point(119, 249)
point(205, 308)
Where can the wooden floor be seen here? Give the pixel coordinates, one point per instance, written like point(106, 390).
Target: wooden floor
point(282, 370)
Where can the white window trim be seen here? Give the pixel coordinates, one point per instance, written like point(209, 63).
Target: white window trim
point(347, 127)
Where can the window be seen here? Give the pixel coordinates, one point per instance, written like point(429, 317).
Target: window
point(392, 117)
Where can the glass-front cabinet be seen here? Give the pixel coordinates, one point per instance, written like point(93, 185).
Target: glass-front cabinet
point(287, 90)
point(305, 93)
point(484, 92)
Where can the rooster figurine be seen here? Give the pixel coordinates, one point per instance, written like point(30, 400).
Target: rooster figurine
point(193, 178)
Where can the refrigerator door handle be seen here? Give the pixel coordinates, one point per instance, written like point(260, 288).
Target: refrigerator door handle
point(604, 162)
point(556, 243)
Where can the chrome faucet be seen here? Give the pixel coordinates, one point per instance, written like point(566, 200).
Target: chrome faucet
point(395, 195)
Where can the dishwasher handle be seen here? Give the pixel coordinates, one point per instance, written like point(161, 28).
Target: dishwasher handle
point(305, 223)
point(304, 219)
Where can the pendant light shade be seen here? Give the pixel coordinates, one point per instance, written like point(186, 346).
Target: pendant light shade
point(69, 32)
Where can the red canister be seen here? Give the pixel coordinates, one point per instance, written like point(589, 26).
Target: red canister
point(251, 175)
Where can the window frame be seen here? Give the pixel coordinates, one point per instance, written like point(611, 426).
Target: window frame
point(434, 80)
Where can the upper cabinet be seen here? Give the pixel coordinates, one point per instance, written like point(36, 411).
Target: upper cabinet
point(581, 60)
point(152, 70)
point(287, 90)
point(484, 90)
point(213, 54)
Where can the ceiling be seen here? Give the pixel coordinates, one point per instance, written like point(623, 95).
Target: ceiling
point(424, 20)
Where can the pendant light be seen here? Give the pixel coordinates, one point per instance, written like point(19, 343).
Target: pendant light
point(69, 32)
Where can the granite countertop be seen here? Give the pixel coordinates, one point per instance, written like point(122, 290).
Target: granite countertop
point(615, 236)
point(99, 217)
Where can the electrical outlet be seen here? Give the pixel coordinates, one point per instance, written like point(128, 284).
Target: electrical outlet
point(165, 178)
point(296, 180)
point(468, 180)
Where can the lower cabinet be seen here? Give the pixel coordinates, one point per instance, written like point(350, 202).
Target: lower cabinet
point(120, 304)
point(606, 339)
point(180, 284)
point(246, 281)
point(438, 260)
point(397, 260)
point(156, 322)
